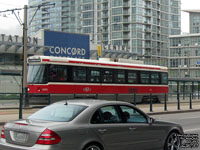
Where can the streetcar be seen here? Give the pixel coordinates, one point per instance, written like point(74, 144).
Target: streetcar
point(86, 78)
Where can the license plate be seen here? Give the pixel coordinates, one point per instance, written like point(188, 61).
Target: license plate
point(20, 137)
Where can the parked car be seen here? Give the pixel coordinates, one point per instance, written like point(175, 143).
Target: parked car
point(90, 125)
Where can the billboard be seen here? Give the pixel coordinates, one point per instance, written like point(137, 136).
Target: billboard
point(66, 44)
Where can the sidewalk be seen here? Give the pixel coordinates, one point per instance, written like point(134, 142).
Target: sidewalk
point(8, 113)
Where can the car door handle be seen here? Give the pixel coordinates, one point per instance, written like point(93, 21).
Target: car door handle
point(102, 130)
point(132, 128)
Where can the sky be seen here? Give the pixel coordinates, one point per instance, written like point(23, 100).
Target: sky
point(10, 26)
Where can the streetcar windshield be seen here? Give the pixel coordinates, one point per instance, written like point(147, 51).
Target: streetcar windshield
point(37, 74)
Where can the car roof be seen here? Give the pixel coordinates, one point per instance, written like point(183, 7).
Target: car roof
point(89, 102)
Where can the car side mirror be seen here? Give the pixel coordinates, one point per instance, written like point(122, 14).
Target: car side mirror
point(151, 120)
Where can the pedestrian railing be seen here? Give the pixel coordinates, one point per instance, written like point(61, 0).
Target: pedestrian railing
point(27, 100)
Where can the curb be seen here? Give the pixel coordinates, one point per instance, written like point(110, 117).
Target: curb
point(172, 112)
point(30, 107)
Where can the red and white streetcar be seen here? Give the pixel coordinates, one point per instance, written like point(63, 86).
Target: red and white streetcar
point(59, 75)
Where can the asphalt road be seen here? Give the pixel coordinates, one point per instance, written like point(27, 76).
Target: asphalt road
point(189, 121)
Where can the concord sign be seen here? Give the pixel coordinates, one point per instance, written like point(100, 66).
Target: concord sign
point(67, 44)
point(67, 51)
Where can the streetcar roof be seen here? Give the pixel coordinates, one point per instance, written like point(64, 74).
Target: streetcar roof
point(89, 62)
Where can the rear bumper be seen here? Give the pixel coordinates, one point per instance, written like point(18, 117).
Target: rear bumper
point(7, 146)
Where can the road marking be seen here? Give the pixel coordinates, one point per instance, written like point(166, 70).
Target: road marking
point(190, 130)
point(189, 118)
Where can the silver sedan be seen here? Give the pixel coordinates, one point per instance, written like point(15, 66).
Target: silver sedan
point(90, 125)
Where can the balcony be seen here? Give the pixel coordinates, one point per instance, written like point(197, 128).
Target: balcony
point(126, 29)
point(105, 8)
point(148, 14)
point(147, 30)
point(126, 13)
point(148, 6)
point(105, 31)
point(126, 36)
point(126, 21)
point(105, 39)
point(105, 24)
point(104, 16)
point(126, 4)
point(147, 22)
point(148, 46)
point(104, 1)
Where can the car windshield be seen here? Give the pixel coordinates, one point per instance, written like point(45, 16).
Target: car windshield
point(58, 113)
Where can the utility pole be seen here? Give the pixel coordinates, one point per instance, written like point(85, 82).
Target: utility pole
point(25, 28)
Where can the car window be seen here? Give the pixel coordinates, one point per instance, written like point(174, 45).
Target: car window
point(58, 113)
point(131, 115)
point(107, 114)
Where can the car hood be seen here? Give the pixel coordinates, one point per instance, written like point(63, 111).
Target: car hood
point(164, 122)
point(169, 125)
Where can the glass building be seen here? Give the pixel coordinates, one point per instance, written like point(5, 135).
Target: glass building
point(194, 20)
point(184, 56)
point(142, 26)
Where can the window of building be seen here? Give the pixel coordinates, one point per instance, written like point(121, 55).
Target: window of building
point(117, 42)
point(116, 11)
point(116, 35)
point(117, 27)
point(116, 19)
point(116, 3)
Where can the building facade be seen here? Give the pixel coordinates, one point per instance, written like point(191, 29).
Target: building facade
point(142, 26)
point(184, 52)
point(194, 19)
point(11, 60)
point(184, 58)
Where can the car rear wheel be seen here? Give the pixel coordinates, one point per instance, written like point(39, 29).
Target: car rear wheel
point(172, 141)
point(92, 147)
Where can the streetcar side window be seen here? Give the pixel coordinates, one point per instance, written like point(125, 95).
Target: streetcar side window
point(155, 78)
point(107, 76)
point(164, 78)
point(58, 73)
point(79, 74)
point(132, 77)
point(144, 77)
point(93, 75)
point(120, 76)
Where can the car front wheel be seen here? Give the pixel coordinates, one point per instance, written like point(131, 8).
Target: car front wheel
point(92, 147)
point(172, 142)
